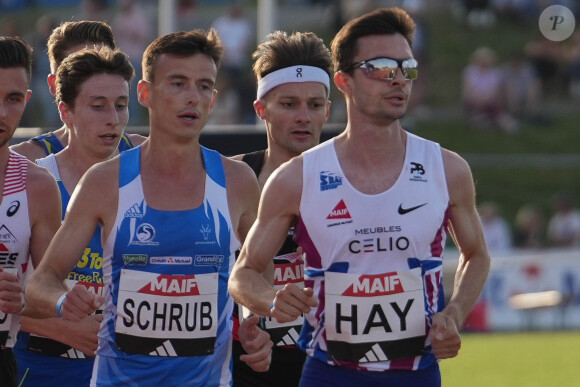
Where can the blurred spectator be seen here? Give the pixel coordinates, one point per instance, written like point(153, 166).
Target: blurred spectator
point(516, 10)
point(522, 87)
point(9, 26)
point(351, 9)
point(496, 230)
point(529, 227)
point(188, 16)
point(237, 34)
point(482, 93)
point(574, 64)
point(417, 10)
point(564, 225)
point(548, 59)
point(94, 10)
point(133, 31)
point(43, 101)
point(477, 13)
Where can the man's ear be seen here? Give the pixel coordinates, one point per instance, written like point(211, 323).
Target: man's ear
point(341, 81)
point(143, 93)
point(28, 94)
point(65, 113)
point(51, 80)
point(213, 99)
point(260, 109)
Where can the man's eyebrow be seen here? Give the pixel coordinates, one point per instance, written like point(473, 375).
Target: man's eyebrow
point(16, 94)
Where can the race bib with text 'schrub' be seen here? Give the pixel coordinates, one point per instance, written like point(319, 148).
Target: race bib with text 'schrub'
point(372, 318)
point(166, 314)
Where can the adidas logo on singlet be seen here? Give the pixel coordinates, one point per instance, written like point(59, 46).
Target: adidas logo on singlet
point(165, 349)
point(375, 354)
point(133, 212)
point(73, 354)
point(289, 339)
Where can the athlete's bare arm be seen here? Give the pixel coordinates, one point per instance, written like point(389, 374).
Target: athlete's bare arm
point(278, 211)
point(79, 335)
point(465, 229)
point(88, 208)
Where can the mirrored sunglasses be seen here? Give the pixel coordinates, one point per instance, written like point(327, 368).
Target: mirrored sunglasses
point(386, 68)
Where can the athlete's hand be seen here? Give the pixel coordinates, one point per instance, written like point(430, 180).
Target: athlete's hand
point(11, 293)
point(256, 343)
point(291, 301)
point(445, 338)
point(79, 303)
point(82, 335)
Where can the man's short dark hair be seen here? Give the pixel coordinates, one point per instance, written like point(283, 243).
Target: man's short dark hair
point(184, 43)
point(70, 34)
point(15, 52)
point(281, 50)
point(383, 21)
point(83, 64)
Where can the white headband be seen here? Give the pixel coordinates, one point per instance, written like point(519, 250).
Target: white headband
point(293, 74)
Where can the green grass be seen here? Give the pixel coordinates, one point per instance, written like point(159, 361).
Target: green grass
point(542, 359)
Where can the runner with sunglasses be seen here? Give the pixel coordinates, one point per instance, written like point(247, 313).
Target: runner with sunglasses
point(372, 209)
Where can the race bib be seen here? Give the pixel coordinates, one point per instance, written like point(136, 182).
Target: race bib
point(372, 318)
point(288, 268)
point(166, 314)
point(5, 318)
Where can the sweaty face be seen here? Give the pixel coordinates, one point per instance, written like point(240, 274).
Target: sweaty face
point(295, 114)
point(14, 94)
point(100, 114)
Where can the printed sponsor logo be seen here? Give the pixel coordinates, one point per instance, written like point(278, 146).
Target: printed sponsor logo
point(6, 235)
point(13, 209)
point(6, 257)
point(135, 259)
point(377, 230)
point(417, 171)
point(208, 260)
point(377, 245)
point(403, 211)
point(340, 214)
point(329, 180)
point(375, 285)
point(171, 260)
point(145, 235)
point(134, 212)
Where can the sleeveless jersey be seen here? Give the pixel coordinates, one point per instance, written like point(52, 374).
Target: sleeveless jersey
point(14, 236)
point(374, 261)
point(52, 145)
point(167, 319)
point(287, 359)
point(48, 361)
point(288, 268)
